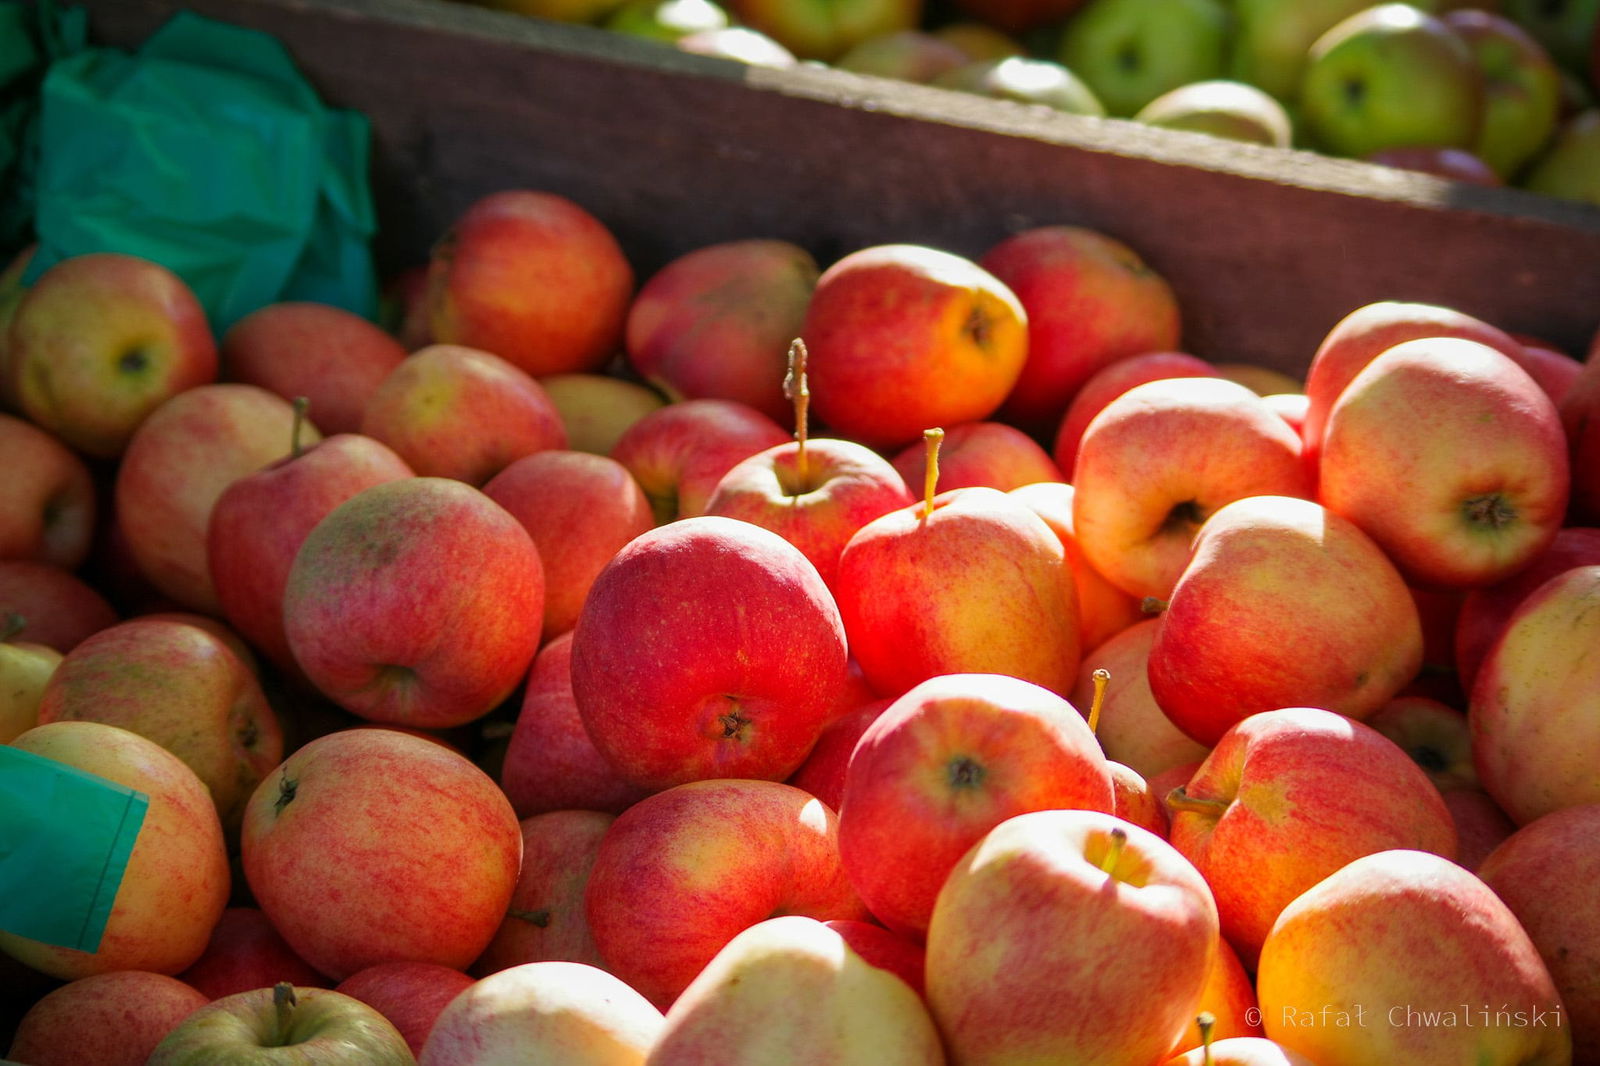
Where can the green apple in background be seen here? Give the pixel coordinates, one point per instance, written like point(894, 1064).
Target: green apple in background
point(666, 20)
point(1271, 39)
point(1131, 51)
point(825, 29)
point(1565, 27)
point(909, 55)
point(1570, 169)
point(1028, 81)
point(1390, 76)
point(1221, 108)
point(1521, 89)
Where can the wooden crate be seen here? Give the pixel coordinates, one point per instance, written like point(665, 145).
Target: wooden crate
point(1266, 248)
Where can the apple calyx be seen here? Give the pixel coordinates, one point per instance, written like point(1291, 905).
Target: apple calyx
point(1180, 800)
point(1119, 838)
point(11, 624)
point(1206, 1022)
point(964, 772)
point(134, 361)
point(1490, 511)
point(286, 790)
point(796, 391)
point(979, 326)
point(931, 439)
point(301, 405)
point(540, 917)
point(1101, 678)
point(1184, 518)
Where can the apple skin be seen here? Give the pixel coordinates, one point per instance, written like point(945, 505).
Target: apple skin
point(682, 872)
point(416, 602)
point(58, 608)
point(972, 581)
point(991, 454)
point(666, 20)
point(1287, 797)
point(108, 1019)
point(99, 341)
point(356, 864)
point(260, 520)
point(1159, 460)
point(1241, 1051)
point(245, 952)
point(597, 409)
point(25, 670)
point(1452, 164)
point(823, 772)
point(708, 647)
point(1390, 76)
point(1580, 419)
point(176, 882)
point(680, 452)
point(1401, 458)
point(740, 44)
point(544, 1012)
point(1221, 108)
point(825, 31)
point(1036, 953)
point(1521, 89)
point(550, 762)
point(410, 994)
point(1566, 168)
point(182, 687)
point(1090, 301)
point(979, 37)
point(580, 509)
point(1230, 998)
point(717, 322)
point(845, 485)
point(906, 55)
point(321, 1026)
point(1111, 381)
point(952, 758)
point(333, 357)
point(1134, 801)
point(1132, 728)
point(1025, 80)
point(1208, 668)
point(454, 411)
point(1481, 825)
point(1436, 737)
point(1532, 742)
point(901, 338)
point(1132, 51)
point(545, 919)
point(1560, 915)
point(1448, 945)
point(1552, 368)
point(533, 278)
point(790, 989)
point(48, 501)
point(902, 957)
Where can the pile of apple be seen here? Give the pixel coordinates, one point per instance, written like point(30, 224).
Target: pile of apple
point(921, 659)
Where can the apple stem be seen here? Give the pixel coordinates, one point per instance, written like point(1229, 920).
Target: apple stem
point(1101, 678)
point(283, 1004)
point(1152, 605)
point(1180, 800)
point(301, 405)
point(797, 392)
point(931, 439)
point(1206, 1022)
point(11, 625)
point(1119, 837)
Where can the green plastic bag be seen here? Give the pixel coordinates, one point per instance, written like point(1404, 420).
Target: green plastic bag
point(230, 172)
point(65, 838)
point(30, 37)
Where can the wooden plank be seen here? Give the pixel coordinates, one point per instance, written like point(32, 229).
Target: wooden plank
point(1265, 248)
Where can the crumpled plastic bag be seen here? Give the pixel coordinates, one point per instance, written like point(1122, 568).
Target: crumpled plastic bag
point(30, 37)
point(208, 152)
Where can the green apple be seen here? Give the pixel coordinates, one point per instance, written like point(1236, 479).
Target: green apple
point(1029, 81)
point(284, 1026)
point(1565, 27)
point(909, 55)
point(1131, 51)
point(1222, 108)
point(1390, 76)
point(25, 668)
point(1271, 38)
point(825, 29)
point(1521, 89)
point(666, 20)
point(1570, 169)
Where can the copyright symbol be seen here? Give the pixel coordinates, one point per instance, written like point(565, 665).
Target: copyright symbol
point(1252, 1017)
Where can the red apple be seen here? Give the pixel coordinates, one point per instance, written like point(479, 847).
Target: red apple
point(1132, 729)
point(1480, 824)
point(1452, 164)
point(48, 501)
point(1111, 381)
point(58, 608)
point(1103, 609)
point(1435, 735)
point(410, 994)
point(900, 956)
point(1230, 998)
point(108, 1019)
point(245, 952)
point(823, 772)
point(992, 454)
point(1580, 419)
point(680, 452)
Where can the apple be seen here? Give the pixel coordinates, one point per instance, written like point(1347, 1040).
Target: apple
point(902, 957)
point(416, 602)
point(550, 762)
point(108, 1019)
point(952, 758)
point(596, 409)
point(1401, 458)
point(1132, 51)
point(716, 322)
point(1552, 368)
point(1532, 741)
point(791, 989)
point(372, 845)
point(1346, 634)
point(823, 772)
point(1111, 381)
point(284, 1026)
point(48, 503)
point(1566, 169)
point(1521, 88)
point(980, 36)
point(825, 30)
point(1580, 420)
point(1240, 1051)
point(1230, 999)
point(1565, 27)
point(678, 453)
point(533, 278)
point(58, 608)
point(176, 466)
point(905, 55)
point(1391, 76)
point(740, 44)
point(1287, 797)
point(176, 882)
point(245, 952)
point(260, 520)
point(586, 11)
point(182, 687)
point(1459, 982)
point(410, 994)
point(1481, 825)
point(1271, 39)
point(1134, 801)
point(1434, 735)
point(99, 341)
point(1559, 914)
point(580, 509)
point(25, 669)
point(544, 1012)
point(11, 290)
point(1452, 164)
point(1132, 729)
point(1103, 609)
point(680, 873)
point(666, 20)
point(1091, 300)
point(1068, 936)
point(708, 647)
point(904, 337)
point(992, 454)
point(1025, 80)
point(1159, 460)
point(967, 581)
point(1222, 108)
point(545, 919)
point(333, 357)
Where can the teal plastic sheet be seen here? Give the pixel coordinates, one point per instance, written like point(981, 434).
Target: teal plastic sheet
point(208, 152)
point(65, 838)
point(30, 37)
